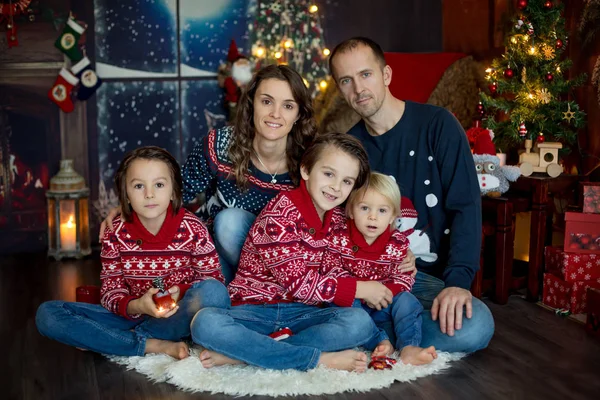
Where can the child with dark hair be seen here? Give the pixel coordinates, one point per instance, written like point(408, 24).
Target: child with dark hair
point(289, 268)
point(154, 242)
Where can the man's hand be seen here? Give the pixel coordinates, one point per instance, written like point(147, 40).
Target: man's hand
point(375, 294)
point(408, 264)
point(448, 306)
point(107, 223)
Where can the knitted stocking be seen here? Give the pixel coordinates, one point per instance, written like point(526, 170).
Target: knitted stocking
point(60, 93)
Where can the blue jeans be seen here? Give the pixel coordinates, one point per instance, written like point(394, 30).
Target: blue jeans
point(400, 322)
point(475, 333)
point(93, 327)
point(241, 332)
point(230, 228)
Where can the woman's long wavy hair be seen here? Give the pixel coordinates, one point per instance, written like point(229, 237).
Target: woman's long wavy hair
point(301, 135)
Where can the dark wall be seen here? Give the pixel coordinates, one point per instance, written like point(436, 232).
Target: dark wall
point(412, 26)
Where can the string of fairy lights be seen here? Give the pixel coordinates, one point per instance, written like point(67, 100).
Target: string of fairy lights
point(290, 32)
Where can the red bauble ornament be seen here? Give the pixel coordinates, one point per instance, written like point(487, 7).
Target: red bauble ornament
point(548, 5)
point(521, 4)
point(493, 88)
point(549, 77)
point(559, 44)
point(163, 300)
point(541, 138)
point(509, 73)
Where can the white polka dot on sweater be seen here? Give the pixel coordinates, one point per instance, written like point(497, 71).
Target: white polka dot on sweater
point(427, 182)
point(446, 231)
point(431, 200)
point(430, 158)
point(412, 153)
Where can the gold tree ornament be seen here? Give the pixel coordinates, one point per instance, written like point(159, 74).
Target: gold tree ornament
point(545, 96)
point(524, 75)
point(568, 115)
point(548, 51)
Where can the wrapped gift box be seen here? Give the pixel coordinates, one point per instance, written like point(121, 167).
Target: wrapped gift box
point(582, 233)
point(591, 197)
point(571, 296)
point(572, 267)
point(593, 312)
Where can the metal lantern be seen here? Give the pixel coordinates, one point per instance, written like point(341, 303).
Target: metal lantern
point(68, 219)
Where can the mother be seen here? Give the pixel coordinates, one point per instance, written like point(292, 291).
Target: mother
point(239, 169)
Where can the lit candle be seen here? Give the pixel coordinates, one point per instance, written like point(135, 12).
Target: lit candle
point(68, 235)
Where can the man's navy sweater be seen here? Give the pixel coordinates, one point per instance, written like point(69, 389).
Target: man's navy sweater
point(428, 154)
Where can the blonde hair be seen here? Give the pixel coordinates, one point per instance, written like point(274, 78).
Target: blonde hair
point(385, 185)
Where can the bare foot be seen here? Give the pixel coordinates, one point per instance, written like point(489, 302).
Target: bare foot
point(210, 359)
point(417, 355)
point(347, 360)
point(178, 350)
point(384, 348)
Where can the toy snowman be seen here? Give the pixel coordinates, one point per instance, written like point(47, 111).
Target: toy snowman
point(420, 244)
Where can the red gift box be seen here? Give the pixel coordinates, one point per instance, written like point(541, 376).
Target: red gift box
point(582, 233)
point(567, 295)
point(572, 267)
point(591, 197)
point(592, 324)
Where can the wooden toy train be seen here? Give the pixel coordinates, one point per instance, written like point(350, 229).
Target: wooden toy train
point(543, 159)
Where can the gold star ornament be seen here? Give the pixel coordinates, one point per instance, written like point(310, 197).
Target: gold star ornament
point(568, 115)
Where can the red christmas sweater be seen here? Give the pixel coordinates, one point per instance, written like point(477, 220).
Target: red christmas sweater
point(290, 255)
point(182, 253)
point(379, 261)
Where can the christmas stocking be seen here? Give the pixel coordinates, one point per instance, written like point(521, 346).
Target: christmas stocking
point(88, 78)
point(60, 93)
point(67, 41)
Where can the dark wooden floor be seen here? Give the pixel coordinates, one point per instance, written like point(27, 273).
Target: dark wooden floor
point(533, 355)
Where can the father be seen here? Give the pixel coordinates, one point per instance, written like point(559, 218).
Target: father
point(426, 150)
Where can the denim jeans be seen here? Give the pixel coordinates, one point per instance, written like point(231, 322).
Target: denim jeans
point(400, 321)
point(93, 327)
point(230, 228)
point(475, 333)
point(241, 332)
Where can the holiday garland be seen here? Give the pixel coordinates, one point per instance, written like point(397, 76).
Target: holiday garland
point(527, 84)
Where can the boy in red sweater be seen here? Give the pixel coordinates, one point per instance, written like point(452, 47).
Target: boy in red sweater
point(290, 268)
point(153, 238)
point(374, 252)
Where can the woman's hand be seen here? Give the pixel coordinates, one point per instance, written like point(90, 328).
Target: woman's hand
point(107, 223)
point(408, 265)
point(145, 304)
point(375, 294)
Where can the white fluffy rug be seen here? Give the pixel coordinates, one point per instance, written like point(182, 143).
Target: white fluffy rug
point(189, 375)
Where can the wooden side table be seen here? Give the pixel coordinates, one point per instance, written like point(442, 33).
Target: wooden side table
point(540, 191)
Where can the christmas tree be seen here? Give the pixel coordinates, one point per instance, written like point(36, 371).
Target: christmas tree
point(290, 32)
point(528, 84)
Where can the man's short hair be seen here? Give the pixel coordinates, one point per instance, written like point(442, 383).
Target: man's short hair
point(353, 43)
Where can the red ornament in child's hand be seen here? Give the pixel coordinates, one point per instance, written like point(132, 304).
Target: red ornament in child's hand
point(163, 300)
point(521, 4)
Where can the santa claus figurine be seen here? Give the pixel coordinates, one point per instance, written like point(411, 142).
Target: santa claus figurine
point(238, 73)
point(493, 178)
point(420, 244)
